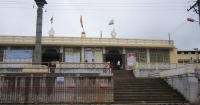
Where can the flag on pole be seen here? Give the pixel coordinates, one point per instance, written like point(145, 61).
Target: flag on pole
point(51, 19)
point(81, 21)
point(111, 22)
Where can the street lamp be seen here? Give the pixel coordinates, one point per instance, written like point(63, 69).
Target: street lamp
point(191, 20)
point(197, 54)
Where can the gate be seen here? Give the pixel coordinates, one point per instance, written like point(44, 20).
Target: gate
point(28, 88)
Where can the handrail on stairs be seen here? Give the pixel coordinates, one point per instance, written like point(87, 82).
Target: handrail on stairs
point(155, 75)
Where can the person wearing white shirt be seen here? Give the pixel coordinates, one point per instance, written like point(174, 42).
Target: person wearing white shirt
point(191, 60)
point(118, 65)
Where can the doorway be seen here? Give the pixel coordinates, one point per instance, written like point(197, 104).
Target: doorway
point(50, 55)
point(114, 56)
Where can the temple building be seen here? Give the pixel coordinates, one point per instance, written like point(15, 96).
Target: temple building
point(93, 49)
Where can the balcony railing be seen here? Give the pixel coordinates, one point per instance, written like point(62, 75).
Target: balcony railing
point(161, 66)
point(85, 41)
point(55, 67)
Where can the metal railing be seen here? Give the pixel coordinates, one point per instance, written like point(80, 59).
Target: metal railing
point(28, 88)
point(147, 66)
point(158, 66)
point(19, 67)
point(155, 75)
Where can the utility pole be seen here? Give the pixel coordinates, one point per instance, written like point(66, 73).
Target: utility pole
point(193, 7)
point(198, 4)
point(169, 38)
point(37, 58)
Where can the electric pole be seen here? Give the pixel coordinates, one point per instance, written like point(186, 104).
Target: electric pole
point(169, 38)
point(38, 52)
point(193, 7)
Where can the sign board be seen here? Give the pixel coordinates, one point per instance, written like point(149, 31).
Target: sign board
point(193, 80)
point(71, 85)
point(17, 56)
point(60, 79)
point(72, 56)
point(104, 85)
point(131, 59)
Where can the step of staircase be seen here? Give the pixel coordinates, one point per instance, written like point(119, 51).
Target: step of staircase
point(123, 73)
point(131, 90)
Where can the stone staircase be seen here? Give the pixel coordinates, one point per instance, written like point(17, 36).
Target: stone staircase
point(131, 90)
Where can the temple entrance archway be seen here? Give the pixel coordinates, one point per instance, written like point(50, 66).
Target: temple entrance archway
point(50, 55)
point(114, 55)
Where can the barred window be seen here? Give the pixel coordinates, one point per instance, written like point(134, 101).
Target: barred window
point(193, 52)
point(159, 56)
point(141, 54)
point(178, 52)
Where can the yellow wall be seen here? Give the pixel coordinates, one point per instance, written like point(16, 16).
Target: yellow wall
point(186, 57)
point(173, 56)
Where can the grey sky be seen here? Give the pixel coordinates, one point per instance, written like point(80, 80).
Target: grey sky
point(139, 19)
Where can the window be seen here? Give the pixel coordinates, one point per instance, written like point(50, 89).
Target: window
point(159, 55)
point(178, 52)
point(140, 54)
point(193, 52)
point(185, 52)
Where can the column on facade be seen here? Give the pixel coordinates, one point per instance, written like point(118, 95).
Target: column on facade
point(104, 50)
point(124, 50)
point(173, 56)
point(82, 54)
point(148, 56)
point(61, 51)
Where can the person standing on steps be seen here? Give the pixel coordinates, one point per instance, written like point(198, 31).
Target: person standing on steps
point(118, 65)
point(191, 60)
point(111, 65)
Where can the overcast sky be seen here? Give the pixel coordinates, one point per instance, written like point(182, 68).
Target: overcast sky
point(137, 19)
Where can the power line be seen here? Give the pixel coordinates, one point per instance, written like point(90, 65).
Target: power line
point(186, 37)
point(17, 2)
point(110, 6)
point(180, 26)
point(106, 5)
point(97, 9)
point(115, 6)
point(98, 4)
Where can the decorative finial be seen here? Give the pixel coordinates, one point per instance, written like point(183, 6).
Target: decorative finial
point(51, 32)
point(83, 34)
point(113, 33)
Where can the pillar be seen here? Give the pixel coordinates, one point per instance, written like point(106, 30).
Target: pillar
point(123, 51)
point(82, 54)
point(37, 58)
point(61, 51)
point(148, 56)
point(104, 50)
point(173, 56)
